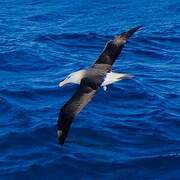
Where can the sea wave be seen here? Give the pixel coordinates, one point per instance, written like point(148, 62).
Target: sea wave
point(131, 131)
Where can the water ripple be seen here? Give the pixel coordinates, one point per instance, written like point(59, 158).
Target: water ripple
point(131, 131)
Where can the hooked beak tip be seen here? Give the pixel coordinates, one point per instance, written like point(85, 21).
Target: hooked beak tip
point(62, 83)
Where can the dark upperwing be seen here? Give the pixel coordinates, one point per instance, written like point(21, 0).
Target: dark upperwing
point(87, 89)
point(113, 47)
point(67, 113)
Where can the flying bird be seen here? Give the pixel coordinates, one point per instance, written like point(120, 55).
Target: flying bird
point(90, 80)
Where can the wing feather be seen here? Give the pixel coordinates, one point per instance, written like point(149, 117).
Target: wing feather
point(79, 100)
point(114, 47)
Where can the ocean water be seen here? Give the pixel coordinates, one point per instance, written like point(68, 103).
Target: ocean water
point(132, 131)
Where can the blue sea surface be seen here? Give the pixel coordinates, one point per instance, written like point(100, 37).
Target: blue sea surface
point(129, 132)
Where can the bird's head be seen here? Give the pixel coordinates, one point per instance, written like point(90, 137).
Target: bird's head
point(74, 77)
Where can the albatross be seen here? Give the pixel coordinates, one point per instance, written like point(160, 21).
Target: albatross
point(90, 80)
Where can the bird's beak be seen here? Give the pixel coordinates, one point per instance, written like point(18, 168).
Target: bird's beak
point(62, 83)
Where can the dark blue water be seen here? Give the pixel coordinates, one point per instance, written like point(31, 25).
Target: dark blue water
point(132, 131)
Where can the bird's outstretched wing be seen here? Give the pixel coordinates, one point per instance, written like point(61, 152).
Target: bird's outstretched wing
point(85, 92)
point(113, 47)
point(67, 113)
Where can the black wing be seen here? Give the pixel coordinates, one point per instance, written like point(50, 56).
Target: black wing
point(114, 47)
point(79, 100)
point(71, 109)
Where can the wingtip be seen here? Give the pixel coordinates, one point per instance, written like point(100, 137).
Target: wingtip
point(139, 26)
point(60, 137)
point(123, 37)
point(133, 30)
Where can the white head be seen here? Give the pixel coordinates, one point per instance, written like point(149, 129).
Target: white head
point(74, 77)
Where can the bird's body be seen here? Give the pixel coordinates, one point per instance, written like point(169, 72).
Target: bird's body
point(110, 77)
point(99, 74)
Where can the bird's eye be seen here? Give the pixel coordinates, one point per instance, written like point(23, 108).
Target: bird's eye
point(69, 76)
